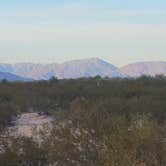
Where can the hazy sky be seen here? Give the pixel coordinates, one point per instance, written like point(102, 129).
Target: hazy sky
point(119, 31)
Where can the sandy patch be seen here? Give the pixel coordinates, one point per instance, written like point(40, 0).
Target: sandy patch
point(30, 124)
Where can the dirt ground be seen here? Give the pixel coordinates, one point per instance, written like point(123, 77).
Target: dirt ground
point(30, 124)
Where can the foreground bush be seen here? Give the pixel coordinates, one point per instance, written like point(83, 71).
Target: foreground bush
point(116, 122)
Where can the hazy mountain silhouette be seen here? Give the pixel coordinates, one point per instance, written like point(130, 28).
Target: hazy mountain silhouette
point(12, 77)
point(72, 69)
point(83, 68)
point(144, 68)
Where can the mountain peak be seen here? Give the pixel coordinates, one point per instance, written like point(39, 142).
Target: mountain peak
point(71, 69)
point(83, 68)
point(85, 60)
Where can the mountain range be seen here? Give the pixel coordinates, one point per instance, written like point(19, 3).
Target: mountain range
point(144, 68)
point(78, 68)
point(12, 77)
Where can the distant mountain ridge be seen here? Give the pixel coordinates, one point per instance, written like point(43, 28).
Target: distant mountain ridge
point(144, 68)
point(82, 68)
point(12, 77)
point(72, 69)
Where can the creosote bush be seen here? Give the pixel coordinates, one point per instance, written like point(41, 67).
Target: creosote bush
point(98, 122)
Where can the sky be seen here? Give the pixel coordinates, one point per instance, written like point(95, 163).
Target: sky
point(47, 31)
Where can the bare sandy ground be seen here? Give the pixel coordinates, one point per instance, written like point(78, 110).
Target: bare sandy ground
point(30, 124)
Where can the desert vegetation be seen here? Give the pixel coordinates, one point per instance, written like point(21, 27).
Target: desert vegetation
point(97, 122)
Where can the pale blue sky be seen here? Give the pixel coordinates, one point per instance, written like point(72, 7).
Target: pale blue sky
point(46, 31)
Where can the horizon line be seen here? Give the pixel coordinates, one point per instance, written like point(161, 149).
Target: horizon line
point(80, 59)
